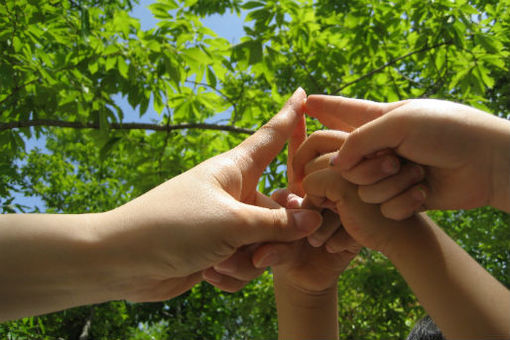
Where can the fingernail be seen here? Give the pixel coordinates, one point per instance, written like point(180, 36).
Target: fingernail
point(307, 220)
point(419, 172)
point(270, 259)
point(329, 249)
point(314, 242)
point(333, 160)
point(212, 276)
point(381, 153)
point(419, 194)
point(390, 166)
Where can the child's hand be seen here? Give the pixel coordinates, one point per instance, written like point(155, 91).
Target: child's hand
point(307, 268)
point(325, 186)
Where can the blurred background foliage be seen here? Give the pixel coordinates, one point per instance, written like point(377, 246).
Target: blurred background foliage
point(63, 62)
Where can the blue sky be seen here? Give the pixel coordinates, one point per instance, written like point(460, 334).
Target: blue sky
point(228, 26)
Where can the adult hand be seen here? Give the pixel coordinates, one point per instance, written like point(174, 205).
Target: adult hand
point(464, 153)
point(165, 238)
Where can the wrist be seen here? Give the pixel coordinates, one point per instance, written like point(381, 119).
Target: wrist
point(407, 234)
point(117, 256)
point(301, 297)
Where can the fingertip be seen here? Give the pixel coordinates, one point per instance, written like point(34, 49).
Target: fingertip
point(345, 160)
point(314, 241)
point(212, 276)
point(307, 220)
point(298, 99)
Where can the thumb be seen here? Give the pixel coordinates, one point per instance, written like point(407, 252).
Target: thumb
point(280, 225)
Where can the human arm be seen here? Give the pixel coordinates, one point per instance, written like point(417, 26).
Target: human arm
point(154, 247)
point(305, 281)
point(464, 152)
point(464, 300)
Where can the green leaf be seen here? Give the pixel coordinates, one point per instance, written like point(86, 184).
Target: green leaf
point(107, 148)
point(253, 4)
point(16, 43)
point(93, 67)
point(110, 63)
point(123, 67)
point(85, 22)
point(211, 78)
point(255, 52)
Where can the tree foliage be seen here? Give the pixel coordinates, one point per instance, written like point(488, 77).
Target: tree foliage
point(63, 63)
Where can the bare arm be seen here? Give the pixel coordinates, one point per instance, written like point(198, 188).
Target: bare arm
point(50, 262)
point(305, 315)
point(464, 300)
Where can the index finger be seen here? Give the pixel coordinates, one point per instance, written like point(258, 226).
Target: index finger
point(320, 142)
point(264, 145)
point(296, 139)
point(346, 114)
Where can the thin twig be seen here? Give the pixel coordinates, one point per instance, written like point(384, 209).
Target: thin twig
point(389, 63)
point(122, 126)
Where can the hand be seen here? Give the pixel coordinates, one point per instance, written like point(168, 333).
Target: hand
point(161, 241)
point(463, 151)
point(307, 268)
point(326, 187)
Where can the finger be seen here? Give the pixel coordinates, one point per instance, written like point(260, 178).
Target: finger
point(341, 241)
point(273, 254)
point(223, 282)
point(287, 199)
point(345, 114)
point(406, 204)
point(263, 201)
point(379, 134)
point(372, 170)
point(329, 185)
point(318, 143)
point(390, 187)
point(258, 150)
point(321, 162)
point(330, 224)
point(239, 266)
point(265, 225)
point(297, 138)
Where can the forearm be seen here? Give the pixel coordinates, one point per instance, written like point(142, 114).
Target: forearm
point(499, 147)
point(305, 315)
point(464, 300)
point(51, 262)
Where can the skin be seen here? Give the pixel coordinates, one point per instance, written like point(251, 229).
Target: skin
point(463, 299)
point(457, 156)
point(305, 276)
point(156, 246)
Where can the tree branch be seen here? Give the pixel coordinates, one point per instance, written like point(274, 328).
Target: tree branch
point(389, 63)
point(123, 126)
